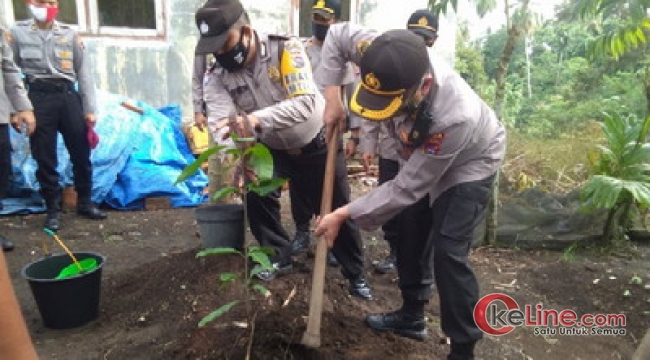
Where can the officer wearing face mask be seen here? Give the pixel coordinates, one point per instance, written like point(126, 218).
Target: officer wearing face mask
point(376, 141)
point(324, 13)
point(51, 56)
point(450, 146)
point(266, 80)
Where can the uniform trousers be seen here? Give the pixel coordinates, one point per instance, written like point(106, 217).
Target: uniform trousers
point(301, 210)
point(5, 160)
point(439, 238)
point(305, 169)
point(388, 169)
point(57, 108)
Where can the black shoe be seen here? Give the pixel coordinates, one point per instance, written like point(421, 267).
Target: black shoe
point(275, 271)
point(462, 351)
point(389, 264)
point(300, 242)
point(360, 288)
point(52, 221)
point(399, 323)
point(6, 244)
point(91, 211)
point(331, 260)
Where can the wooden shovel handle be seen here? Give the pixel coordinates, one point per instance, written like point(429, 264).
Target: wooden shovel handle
point(311, 337)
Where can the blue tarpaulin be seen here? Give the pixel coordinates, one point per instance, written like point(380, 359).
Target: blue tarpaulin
point(138, 156)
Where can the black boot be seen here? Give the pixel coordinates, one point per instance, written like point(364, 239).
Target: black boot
point(52, 221)
point(6, 244)
point(387, 265)
point(301, 242)
point(88, 210)
point(400, 323)
point(53, 203)
point(461, 351)
point(359, 287)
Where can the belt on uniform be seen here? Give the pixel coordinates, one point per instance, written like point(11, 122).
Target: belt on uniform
point(50, 86)
point(317, 143)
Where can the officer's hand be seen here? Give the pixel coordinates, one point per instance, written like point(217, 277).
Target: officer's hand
point(329, 225)
point(200, 120)
point(26, 118)
point(350, 148)
point(91, 119)
point(334, 113)
point(368, 159)
point(239, 126)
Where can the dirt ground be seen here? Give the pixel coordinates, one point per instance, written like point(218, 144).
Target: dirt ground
point(155, 291)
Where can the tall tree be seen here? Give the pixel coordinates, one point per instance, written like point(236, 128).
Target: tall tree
point(624, 36)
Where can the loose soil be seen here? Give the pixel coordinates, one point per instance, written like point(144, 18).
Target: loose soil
point(155, 291)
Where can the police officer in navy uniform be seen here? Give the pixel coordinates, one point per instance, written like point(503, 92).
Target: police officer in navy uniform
point(15, 103)
point(376, 141)
point(270, 79)
point(451, 145)
point(52, 57)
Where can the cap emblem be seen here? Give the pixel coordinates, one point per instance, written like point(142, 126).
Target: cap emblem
point(372, 82)
point(423, 21)
point(204, 28)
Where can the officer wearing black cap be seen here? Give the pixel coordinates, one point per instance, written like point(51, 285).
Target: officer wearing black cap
point(268, 79)
point(425, 24)
point(451, 145)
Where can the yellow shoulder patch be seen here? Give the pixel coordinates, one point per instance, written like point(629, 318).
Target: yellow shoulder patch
point(295, 68)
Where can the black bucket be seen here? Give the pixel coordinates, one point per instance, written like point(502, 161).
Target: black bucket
point(221, 225)
point(65, 303)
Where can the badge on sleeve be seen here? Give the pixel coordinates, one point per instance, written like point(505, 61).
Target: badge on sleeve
point(295, 69)
point(362, 46)
point(433, 144)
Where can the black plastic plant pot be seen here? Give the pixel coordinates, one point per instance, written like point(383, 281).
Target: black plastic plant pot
point(221, 225)
point(65, 303)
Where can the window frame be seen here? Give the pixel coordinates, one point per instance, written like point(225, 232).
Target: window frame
point(88, 21)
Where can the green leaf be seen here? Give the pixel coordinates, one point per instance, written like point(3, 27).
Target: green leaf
point(228, 277)
point(261, 160)
point(221, 193)
point(257, 270)
point(261, 289)
point(261, 258)
point(192, 168)
point(266, 186)
point(217, 251)
point(217, 313)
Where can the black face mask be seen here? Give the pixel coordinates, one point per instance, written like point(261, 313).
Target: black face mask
point(234, 58)
point(319, 31)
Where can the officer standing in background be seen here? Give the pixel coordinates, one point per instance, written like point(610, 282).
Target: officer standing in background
point(15, 103)
point(452, 145)
point(269, 78)
point(376, 141)
point(324, 14)
point(52, 57)
point(424, 23)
